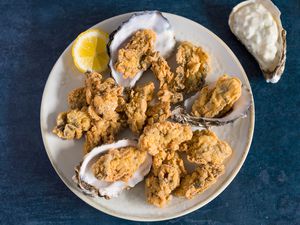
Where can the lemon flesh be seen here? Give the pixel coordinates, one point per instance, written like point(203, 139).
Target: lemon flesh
point(89, 51)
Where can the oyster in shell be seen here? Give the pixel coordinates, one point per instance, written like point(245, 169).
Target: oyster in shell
point(91, 185)
point(257, 24)
point(223, 102)
point(147, 20)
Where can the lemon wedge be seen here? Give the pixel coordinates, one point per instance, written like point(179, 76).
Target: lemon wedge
point(89, 51)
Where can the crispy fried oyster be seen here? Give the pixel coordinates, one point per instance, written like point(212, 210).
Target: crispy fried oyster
point(163, 180)
point(190, 74)
point(192, 66)
point(101, 103)
point(165, 135)
point(137, 106)
point(133, 57)
point(199, 180)
point(169, 84)
point(72, 124)
point(118, 164)
point(105, 101)
point(217, 101)
point(77, 98)
point(159, 112)
point(103, 97)
point(205, 147)
point(101, 131)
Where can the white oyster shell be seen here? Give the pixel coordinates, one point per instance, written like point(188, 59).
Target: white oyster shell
point(239, 110)
point(154, 20)
point(272, 69)
point(90, 185)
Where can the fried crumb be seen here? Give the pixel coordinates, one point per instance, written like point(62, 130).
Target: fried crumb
point(193, 66)
point(118, 164)
point(72, 124)
point(133, 57)
point(137, 106)
point(217, 101)
point(164, 136)
point(199, 180)
point(205, 147)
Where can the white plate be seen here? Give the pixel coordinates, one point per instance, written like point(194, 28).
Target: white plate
point(65, 155)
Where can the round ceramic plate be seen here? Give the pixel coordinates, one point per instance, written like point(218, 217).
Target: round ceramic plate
point(65, 155)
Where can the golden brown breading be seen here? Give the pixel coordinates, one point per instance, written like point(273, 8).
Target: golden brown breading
point(199, 180)
point(93, 84)
point(162, 71)
point(72, 124)
point(132, 58)
point(193, 66)
point(218, 101)
point(170, 85)
point(205, 147)
point(167, 157)
point(102, 131)
point(118, 164)
point(164, 136)
point(101, 116)
point(159, 112)
point(77, 98)
point(137, 106)
point(164, 179)
point(105, 99)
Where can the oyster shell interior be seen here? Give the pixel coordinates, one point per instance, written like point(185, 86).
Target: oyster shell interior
point(257, 24)
point(239, 110)
point(153, 20)
point(90, 185)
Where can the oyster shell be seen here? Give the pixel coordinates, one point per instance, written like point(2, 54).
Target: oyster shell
point(264, 39)
point(239, 110)
point(153, 20)
point(90, 185)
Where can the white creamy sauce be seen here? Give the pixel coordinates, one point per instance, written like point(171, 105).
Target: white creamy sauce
point(254, 25)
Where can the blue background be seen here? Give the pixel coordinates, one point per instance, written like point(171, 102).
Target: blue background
point(33, 34)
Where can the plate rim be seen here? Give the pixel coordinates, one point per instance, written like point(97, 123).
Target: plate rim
point(223, 186)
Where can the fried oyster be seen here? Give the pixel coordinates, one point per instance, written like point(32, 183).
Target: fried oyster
point(192, 69)
point(205, 148)
point(162, 140)
point(101, 131)
point(118, 164)
point(193, 66)
point(164, 179)
point(77, 98)
point(72, 124)
point(170, 85)
point(164, 136)
point(199, 180)
point(97, 111)
point(103, 96)
point(136, 108)
point(217, 101)
point(133, 57)
point(158, 112)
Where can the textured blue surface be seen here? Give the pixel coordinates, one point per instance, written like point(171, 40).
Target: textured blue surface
point(32, 36)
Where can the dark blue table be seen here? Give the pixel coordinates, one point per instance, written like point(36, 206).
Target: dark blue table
point(32, 36)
